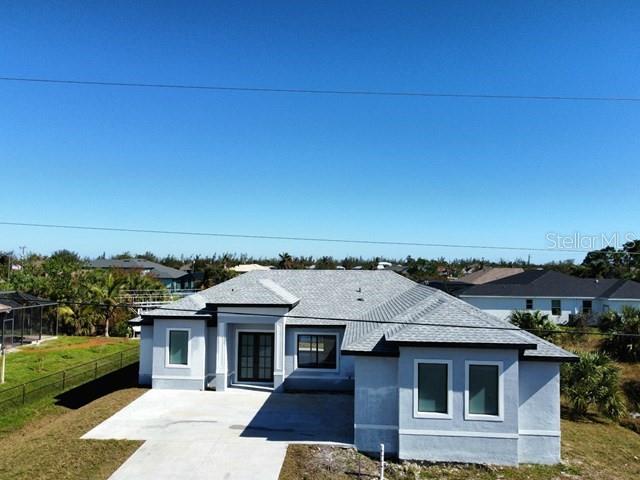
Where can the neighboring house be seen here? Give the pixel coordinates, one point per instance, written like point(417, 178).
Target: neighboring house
point(433, 377)
point(489, 274)
point(250, 267)
point(171, 278)
point(557, 294)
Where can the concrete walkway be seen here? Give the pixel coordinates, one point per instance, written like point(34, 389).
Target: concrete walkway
point(238, 434)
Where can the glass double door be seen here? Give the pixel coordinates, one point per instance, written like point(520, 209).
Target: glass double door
point(255, 357)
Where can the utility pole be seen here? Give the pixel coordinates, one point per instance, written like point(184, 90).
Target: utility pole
point(22, 249)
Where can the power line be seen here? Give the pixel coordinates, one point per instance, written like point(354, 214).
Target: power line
point(301, 239)
point(379, 93)
point(356, 320)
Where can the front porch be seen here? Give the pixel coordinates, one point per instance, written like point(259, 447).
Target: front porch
point(249, 348)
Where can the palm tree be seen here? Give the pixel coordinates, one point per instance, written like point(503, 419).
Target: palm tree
point(108, 293)
point(286, 261)
point(593, 381)
point(534, 322)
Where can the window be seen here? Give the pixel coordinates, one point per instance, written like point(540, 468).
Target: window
point(178, 351)
point(556, 308)
point(432, 388)
point(317, 351)
point(587, 307)
point(483, 393)
point(528, 304)
point(605, 308)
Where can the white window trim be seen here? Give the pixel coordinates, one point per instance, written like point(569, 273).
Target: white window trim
point(237, 350)
point(443, 416)
point(167, 362)
point(475, 416)
point(326, 334)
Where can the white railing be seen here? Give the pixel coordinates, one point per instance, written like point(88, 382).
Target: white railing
point(147, 299)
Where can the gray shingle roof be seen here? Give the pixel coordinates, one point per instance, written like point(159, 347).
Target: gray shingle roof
point(156, 269)
point(380, 309)
point(547, 283)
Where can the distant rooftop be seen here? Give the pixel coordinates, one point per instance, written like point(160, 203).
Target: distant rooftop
point(250, 267)
point(549, 283)
point(490, 274)
point(155, 269)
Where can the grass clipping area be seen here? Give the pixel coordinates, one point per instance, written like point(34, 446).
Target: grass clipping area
point(591, 450)
point(49, 445)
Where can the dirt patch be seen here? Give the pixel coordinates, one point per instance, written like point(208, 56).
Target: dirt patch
point(49, 445)
point(591, 450)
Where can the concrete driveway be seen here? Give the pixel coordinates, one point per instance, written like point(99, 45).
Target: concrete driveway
point(237, 434)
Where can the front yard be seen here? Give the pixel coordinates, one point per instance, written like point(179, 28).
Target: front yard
point(47, 445)
point(591, 451)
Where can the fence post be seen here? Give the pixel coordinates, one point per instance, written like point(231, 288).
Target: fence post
point(95, 373)
point(121, 359)
point(24, 392)
point(382, 461)
point(64, 377)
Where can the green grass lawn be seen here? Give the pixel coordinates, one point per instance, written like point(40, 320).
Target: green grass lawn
point(31, 362)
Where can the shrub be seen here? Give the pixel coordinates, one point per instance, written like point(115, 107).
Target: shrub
point(535, 322)
point(610, 322)
point(593, 382)
point(625, 345)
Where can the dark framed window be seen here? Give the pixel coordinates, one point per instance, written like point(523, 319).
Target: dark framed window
point(484, 389)
point(528, 304)
point(587, 307)
point(178, 347)
point(433, 384)
point(556, 307)
point(317, 351)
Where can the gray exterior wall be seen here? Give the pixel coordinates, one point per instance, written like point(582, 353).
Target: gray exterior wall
point(539, 422)
point(232, 321)
point(297, 379)
point(188, 377)
point(458, 439)
point(146, 354)
point(211, 345)
point(375, 414)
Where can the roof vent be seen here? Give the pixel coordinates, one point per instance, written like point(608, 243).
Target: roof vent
point(360, 299)
point(359, 290)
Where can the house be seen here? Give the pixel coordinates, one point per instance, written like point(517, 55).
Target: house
point(489, 274)
point(171, 278)
point(554, 293)
point(433, 377)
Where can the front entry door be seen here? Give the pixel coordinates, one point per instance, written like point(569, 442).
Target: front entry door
point(255, 357)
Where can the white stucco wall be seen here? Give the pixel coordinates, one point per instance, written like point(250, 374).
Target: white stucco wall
point(458, 439)
point(375, 413)
point(502, 307)
point(191, 376)
point(617, 305)
point(146, 354)
point(539, 422)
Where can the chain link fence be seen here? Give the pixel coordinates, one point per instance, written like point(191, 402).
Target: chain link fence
point(66, 379)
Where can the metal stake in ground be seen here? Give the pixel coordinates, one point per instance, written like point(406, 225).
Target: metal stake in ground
point(382, 461)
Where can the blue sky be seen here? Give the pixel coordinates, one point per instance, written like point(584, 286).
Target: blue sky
point(376, 168)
